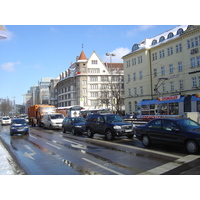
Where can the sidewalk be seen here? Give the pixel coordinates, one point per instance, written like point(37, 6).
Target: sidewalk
point(7, 164)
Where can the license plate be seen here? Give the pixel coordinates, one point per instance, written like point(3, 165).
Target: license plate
point(128, 130)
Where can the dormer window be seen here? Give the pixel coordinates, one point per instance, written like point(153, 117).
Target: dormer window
point(135, 47)
point(180, 31)
point(154, 42)
point(162, 38)
point(170, 35)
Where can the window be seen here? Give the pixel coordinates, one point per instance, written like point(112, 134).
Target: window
point(129, 77)
point(154, 42)
point(134, 76)
point(180, 66)
point(172, 86)
point(170, 35)
point(192, 42)
point(194, 82)
point(93, 78)
point(141, 90)
point(133, 61)
point(163, 87)
point(135, 47)
point(135, 91)
point(171, 69)
point(104, 78)
point(169, 125)
point(180, 47)
point(192, 61)
point(139, 59)
point(94, 62)
point(162, 38)
point(128, 63)
point(196, 41)
point(181, 85)
point(93, 70)
point(94, 94)
point(162, 54)
point(140, 74)
point(129, 92)
point(84, 82)
point(156, 124)
point(188, 44)
point(155, 72)
point(94, 86)
point(180, 31)
point(198, 61)
point(162, 71)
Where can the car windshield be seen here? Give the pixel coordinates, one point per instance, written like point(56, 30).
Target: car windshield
point(57, 117)
point(113, 118)
point(188, 124)
point(78, 120)
point(6, 118)
point(18, 121)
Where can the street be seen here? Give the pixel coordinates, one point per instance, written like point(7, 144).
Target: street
point(51, 152)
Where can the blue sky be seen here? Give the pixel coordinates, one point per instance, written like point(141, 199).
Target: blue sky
point(32, 52)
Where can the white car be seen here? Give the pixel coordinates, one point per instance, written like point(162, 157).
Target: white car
point(5, 121)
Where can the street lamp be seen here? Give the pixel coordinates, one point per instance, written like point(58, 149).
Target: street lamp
point(111, 54)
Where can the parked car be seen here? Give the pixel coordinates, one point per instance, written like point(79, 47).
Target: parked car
point(53, 120)
point(19, 126)
point(74, 125)
point(110, 125)
point(6, 121)
point(175, 132)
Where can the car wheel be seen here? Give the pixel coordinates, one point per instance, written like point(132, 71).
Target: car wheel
point(109, 135)
point(192, 146)
point(146, 141)
point(73, 131)
point(89, 133)
point(63, 129)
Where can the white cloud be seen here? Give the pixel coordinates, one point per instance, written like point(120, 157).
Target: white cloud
point(120, 52)
point(137, 29)
point(9, 66)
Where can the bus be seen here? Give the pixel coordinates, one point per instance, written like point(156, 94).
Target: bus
point(70, 111)
point(85, 113)
point(169, 106)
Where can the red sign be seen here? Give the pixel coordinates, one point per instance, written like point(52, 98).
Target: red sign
point(169, 98)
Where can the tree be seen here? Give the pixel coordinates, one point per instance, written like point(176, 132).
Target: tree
point(5, 106)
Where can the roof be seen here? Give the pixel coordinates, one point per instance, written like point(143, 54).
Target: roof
point(115, 66)
point(82, 56)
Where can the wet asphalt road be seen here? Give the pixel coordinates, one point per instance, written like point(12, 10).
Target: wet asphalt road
point(51, 152)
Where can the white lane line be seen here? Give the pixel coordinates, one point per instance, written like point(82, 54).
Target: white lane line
point(53, 145)
point(32, 136)
point(141, 149)
point(171, 165)
point(106, 168)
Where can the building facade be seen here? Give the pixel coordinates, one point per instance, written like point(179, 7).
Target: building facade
point(163, 66)
point(89, 83)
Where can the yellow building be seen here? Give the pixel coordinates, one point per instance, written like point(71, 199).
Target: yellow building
point(164, 68)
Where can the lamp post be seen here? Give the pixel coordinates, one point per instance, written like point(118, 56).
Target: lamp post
point(111, 54)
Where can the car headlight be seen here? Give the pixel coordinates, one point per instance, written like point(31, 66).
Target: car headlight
point(117, 127)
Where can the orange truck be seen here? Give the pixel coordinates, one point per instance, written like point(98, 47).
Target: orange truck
point(37, 112)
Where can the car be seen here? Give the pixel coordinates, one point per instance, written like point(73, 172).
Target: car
point(19, 126)
point(173, 132)
point(53, 120)
point(6, 121)
point(74, 125)
point(110, 125)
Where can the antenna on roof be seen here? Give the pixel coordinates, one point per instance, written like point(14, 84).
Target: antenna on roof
point(82, 47)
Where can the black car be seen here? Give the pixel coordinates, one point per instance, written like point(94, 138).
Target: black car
point(74, 125)
point(175, 132)
point(110, 125)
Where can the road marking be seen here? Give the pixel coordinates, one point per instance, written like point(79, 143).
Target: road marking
point(141, 149)
point(53, 145)
point(76, 145)
point(32, 136)
point(171, 165)
point(29, 155)
point(106, 168)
